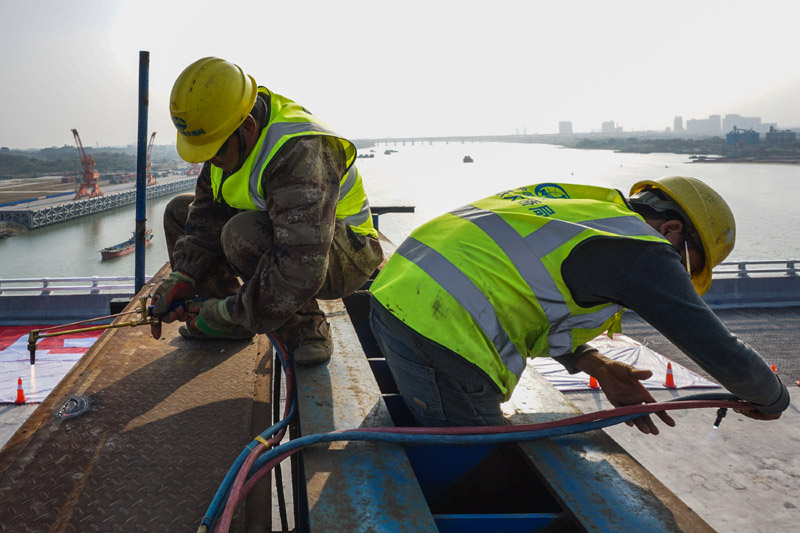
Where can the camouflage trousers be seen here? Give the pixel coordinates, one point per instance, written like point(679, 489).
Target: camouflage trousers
point(247, 236)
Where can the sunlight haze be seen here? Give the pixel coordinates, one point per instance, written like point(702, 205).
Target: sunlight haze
point(412, 68)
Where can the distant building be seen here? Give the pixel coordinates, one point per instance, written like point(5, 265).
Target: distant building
point(742, 123)
point(677, 125)
point(740, 138)
point(776, 137)
point(610, 127)
point(707, 126)
point(565, 127)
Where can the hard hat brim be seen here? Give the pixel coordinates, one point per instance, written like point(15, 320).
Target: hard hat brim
point(197, 153)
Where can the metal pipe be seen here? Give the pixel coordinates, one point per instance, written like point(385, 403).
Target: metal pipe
point(141, 167)
point(144, 318)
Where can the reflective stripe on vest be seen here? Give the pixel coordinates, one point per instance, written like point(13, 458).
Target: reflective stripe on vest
point(489, 275)
point(519, 250)
point(275, 132)
point(351, 180)
point(468, 295)
point(354, 211)
point(543, 241)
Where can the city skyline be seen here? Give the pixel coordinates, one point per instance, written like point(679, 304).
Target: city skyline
point(411, 69)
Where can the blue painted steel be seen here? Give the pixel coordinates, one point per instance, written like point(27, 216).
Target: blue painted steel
point(438, 468)
point(438, 440)
point(507, 523)
point(141, 167)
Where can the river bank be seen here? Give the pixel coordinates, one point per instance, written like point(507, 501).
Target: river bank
point(9, 229)
point(703, 150)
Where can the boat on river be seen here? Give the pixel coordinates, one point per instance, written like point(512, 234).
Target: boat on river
point(125, 247)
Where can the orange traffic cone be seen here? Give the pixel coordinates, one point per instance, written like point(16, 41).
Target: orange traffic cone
point(593, 384)
point(20, 393)
point(774, 369)
point(670, 381)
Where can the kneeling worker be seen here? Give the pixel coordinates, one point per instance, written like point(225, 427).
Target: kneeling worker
point(279, 205)
point(540, 271)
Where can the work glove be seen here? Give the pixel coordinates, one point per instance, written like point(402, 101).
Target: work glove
point(177, 287)
point(213, 318)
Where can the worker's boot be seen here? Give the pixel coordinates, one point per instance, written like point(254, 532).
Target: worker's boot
point(315, 351)
point(236, 334)
point(307, 335)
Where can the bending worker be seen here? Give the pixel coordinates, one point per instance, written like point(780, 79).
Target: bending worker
point(540, 271)
point(279, 216)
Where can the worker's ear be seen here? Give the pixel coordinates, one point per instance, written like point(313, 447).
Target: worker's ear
point(249, 125)
point(671, 229)
point(250, 130)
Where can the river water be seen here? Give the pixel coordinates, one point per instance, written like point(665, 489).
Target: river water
point(434, 179)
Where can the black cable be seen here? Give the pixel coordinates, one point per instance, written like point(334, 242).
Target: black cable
point(276, 405)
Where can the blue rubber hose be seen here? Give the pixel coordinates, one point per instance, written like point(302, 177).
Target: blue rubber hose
point(221, 496)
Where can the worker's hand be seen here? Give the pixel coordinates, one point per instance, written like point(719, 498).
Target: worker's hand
point(211, 317)
point(622, 385)
point(178, 286)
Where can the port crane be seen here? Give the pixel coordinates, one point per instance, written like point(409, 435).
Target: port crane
point(150, 179)
point(88, 187)
point(740, 144)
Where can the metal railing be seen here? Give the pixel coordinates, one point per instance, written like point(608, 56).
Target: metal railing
point(97, 284)
point(747, 269)
point(84, 285)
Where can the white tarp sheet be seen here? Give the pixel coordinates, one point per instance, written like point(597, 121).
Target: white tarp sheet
point(55, 356)
point(627, 350)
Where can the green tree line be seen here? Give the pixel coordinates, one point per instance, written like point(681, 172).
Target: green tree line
point(30, 163)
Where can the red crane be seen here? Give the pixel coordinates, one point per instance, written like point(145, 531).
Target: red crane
point(88, 187)
point(150, 179)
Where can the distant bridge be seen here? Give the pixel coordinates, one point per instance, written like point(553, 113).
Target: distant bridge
point(462, 139)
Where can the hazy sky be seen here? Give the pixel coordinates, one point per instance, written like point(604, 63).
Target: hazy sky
point(402, 68)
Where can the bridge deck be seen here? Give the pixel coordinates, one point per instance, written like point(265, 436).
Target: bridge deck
point(168, 418)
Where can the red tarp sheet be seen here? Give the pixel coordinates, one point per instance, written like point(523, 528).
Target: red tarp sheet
point(55, 356)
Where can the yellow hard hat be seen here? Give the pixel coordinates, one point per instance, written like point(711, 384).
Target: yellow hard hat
point(708, 213)
point(210, 99)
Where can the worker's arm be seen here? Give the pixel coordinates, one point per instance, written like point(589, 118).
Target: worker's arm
point(302, 188)
point(649, 279)
point(200, 247)
point(622, 385)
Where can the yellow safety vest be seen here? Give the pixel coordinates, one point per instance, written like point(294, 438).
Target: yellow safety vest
point(485, 280)
point(287, 120)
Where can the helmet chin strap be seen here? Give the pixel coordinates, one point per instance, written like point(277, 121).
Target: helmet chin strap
point(688, 262)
